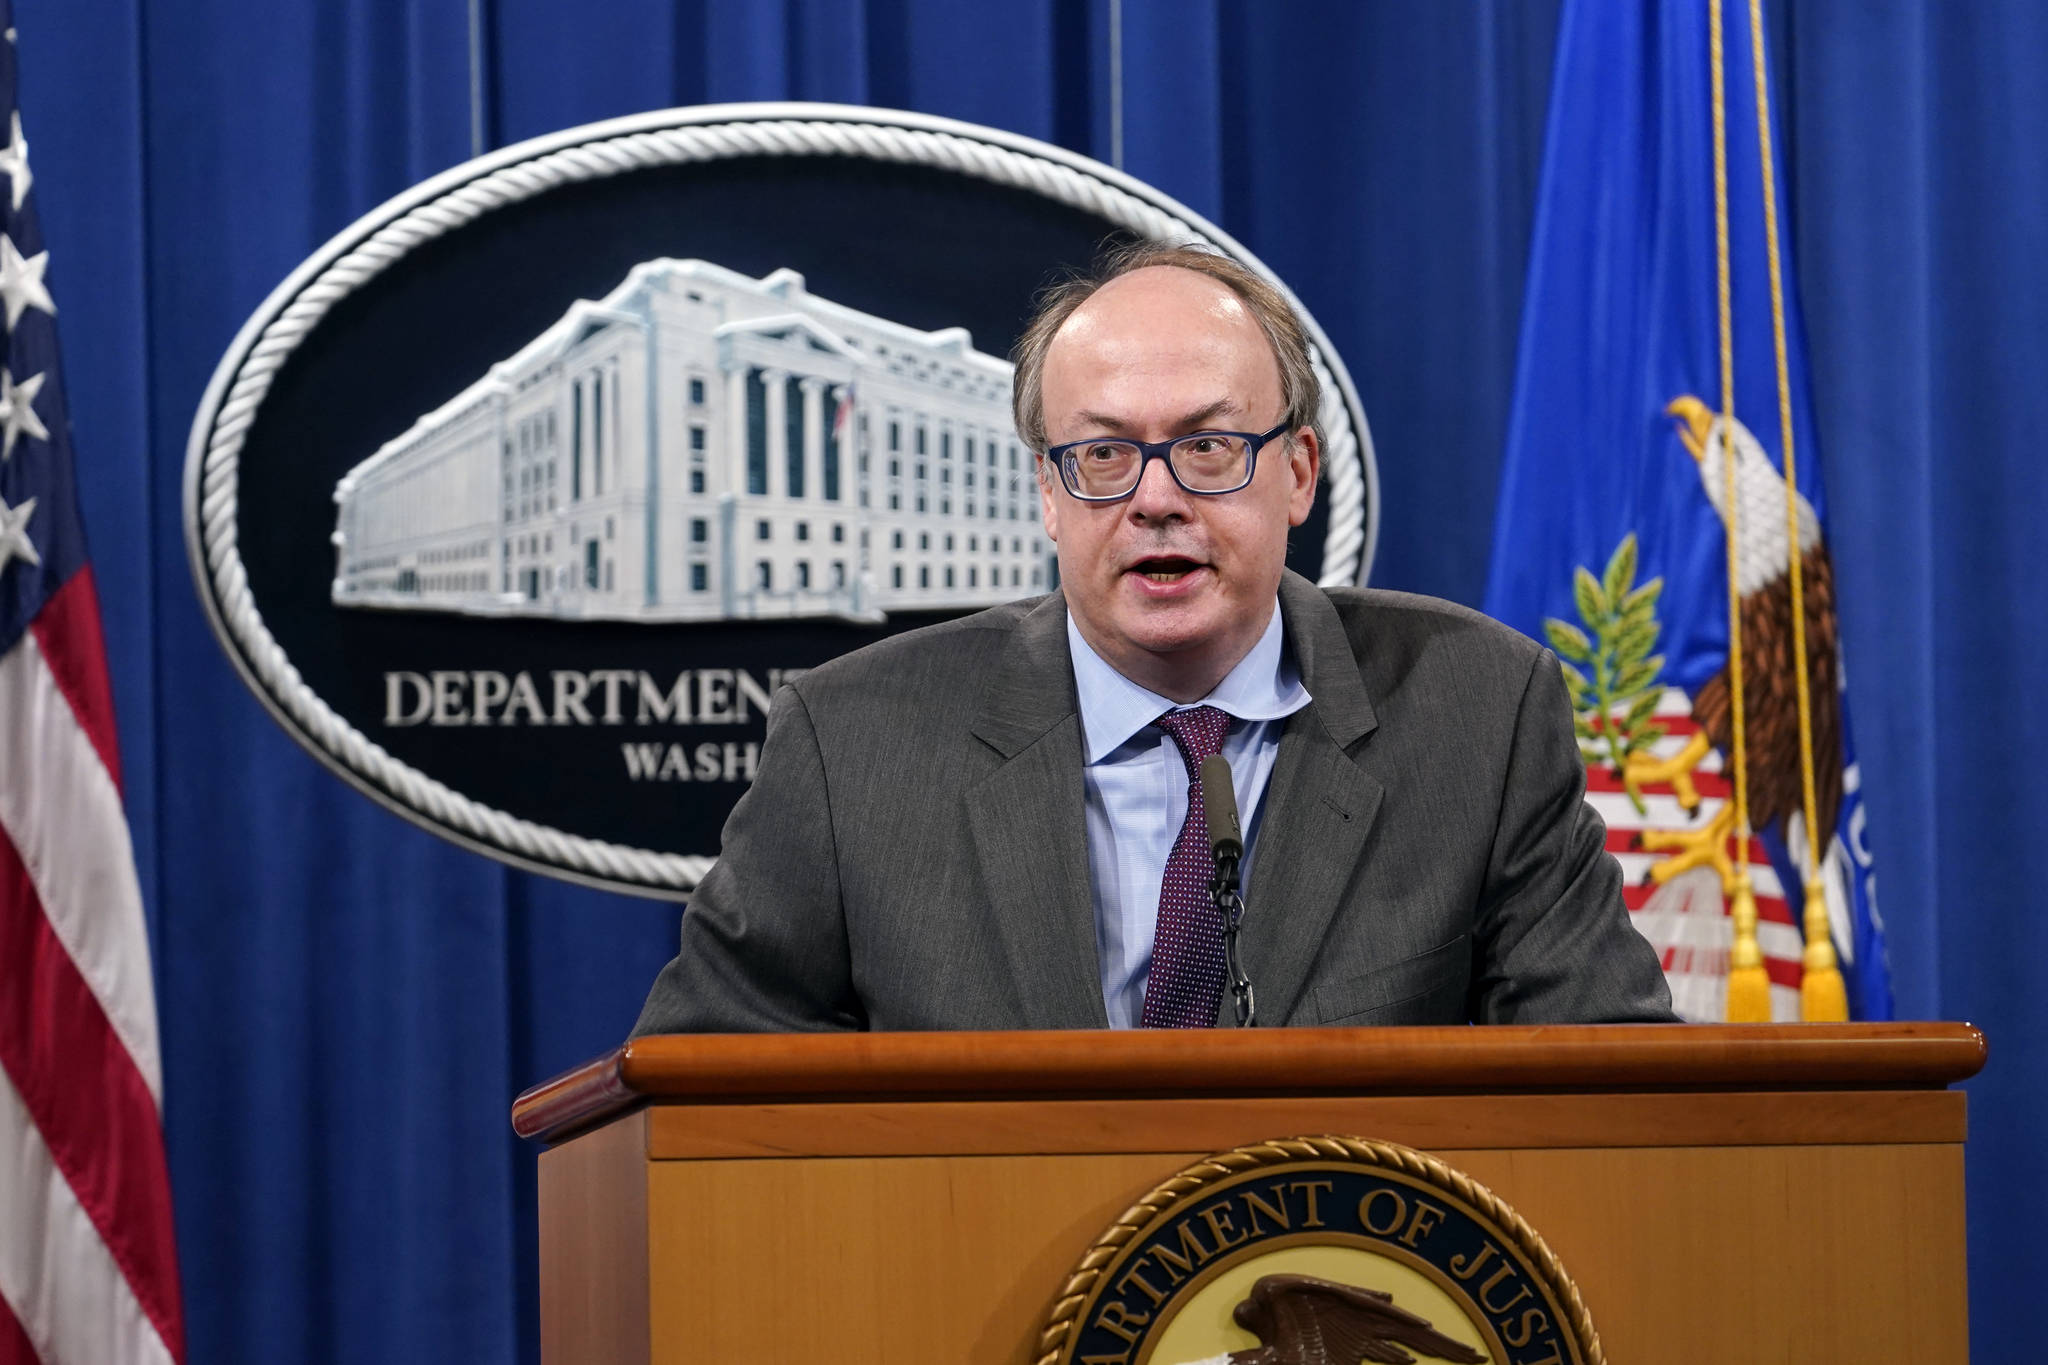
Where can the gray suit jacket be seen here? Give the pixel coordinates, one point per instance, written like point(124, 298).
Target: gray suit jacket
point(913, 854)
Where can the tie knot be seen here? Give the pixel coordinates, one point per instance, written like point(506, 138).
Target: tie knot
point(1199, 731)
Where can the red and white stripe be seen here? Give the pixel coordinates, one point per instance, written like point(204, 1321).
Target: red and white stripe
point(1694, 947)
point(88, 1264)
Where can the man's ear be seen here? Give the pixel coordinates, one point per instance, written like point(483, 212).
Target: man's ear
point(1304, 464)
point(1048, 498)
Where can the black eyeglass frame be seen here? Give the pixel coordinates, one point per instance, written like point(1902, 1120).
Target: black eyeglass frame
point(1149, 451)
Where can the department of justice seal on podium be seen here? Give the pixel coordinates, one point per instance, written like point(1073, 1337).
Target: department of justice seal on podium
point(1302, 1251)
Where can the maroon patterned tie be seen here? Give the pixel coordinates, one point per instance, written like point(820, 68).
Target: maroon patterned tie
point(1186, 980)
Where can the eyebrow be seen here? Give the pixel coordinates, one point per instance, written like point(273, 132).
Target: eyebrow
point(1190, 421)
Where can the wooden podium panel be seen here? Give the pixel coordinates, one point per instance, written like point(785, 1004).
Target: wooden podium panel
point(1716, 1193)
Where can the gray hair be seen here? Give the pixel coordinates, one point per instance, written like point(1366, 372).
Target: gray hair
point(1299, 388)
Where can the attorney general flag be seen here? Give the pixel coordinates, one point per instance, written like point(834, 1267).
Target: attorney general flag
point(1613, 526)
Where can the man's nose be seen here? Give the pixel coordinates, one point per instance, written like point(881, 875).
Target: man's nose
point(1157, 496)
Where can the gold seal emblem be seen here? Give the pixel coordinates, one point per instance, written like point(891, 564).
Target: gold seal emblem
point(1319, 1251)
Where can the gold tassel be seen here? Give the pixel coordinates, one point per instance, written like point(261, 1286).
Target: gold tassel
point(1749, 990)
point(1823, 999)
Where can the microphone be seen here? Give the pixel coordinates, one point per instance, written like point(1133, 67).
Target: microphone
point(1219, 809)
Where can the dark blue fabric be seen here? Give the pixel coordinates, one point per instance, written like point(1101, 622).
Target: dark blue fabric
point(349, 1005)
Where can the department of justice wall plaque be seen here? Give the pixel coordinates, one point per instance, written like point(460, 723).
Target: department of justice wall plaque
point(518, 500)
point(1319, 1251)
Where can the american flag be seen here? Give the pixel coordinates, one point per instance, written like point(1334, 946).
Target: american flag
point(842, 416)
point(88, 1268)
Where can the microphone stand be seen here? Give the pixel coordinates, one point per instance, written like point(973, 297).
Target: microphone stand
point(1226, 844)
point(1223, 891)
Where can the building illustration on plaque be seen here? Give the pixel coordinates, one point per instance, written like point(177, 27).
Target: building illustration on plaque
point(703, 445)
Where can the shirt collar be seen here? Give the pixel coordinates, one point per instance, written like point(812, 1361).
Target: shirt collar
point(1265, 685)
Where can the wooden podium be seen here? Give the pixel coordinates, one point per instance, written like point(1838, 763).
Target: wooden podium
point(1718, 1193)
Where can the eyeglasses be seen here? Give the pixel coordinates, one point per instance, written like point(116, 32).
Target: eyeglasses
point(1209, 463)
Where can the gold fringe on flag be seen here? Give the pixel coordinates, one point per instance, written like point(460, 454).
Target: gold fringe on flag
point(1749, 989)
point(1822, 997)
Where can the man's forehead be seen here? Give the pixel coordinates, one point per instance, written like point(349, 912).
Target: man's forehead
point(1110, 421)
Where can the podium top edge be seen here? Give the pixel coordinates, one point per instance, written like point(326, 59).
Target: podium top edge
point(1150, 1063)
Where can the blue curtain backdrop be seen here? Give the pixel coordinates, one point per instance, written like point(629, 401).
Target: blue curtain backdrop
point(349, 1005)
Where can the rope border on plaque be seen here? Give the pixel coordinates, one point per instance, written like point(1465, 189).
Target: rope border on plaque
point(671, 137)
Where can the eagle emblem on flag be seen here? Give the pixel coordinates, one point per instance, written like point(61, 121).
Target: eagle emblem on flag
point(1647, 743)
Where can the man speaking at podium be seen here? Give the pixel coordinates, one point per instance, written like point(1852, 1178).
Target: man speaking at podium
point(996, 822)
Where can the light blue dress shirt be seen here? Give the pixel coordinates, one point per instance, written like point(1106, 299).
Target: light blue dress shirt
point(1137, 793)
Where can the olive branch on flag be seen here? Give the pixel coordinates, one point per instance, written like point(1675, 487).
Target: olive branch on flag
point(1613, 708)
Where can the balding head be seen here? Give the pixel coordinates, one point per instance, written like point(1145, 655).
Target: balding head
point(1264, 304)
point(1164, 348)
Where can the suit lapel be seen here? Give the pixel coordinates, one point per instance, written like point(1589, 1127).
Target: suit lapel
point(1029, 831)
point(1319, 808)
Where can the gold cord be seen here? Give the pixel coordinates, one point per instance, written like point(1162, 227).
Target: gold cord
point(1821, 984)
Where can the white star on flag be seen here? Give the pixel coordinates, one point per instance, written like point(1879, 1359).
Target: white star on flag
point(14, 541)
point(21, 281)
point(14, 163)
point(18, 413)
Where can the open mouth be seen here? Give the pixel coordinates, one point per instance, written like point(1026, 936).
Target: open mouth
point(1165, 568)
